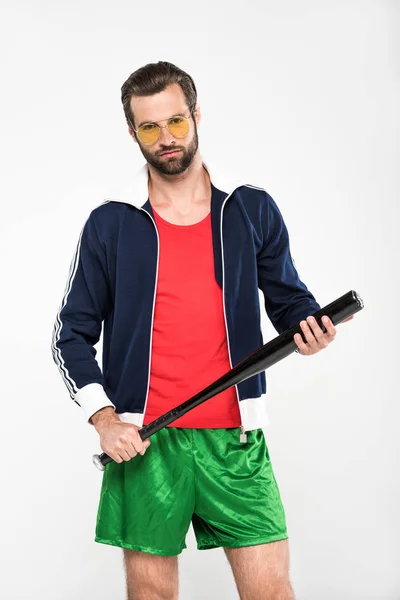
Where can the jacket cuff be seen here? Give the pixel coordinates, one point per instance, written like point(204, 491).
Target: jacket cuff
point(92, 398)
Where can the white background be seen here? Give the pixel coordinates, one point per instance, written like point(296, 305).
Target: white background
point(301, 97)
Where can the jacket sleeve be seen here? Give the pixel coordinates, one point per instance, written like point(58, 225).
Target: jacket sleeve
point(78, 323)
point(287, 299)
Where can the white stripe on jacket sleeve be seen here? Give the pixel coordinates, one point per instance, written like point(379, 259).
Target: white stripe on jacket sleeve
point(58, 359)
point(92, 396)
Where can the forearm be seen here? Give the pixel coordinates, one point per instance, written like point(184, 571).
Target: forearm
point(103, 417)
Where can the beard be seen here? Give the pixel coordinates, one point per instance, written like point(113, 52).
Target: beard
point(173, 165)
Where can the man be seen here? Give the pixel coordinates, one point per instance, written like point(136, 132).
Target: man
point(172, 265)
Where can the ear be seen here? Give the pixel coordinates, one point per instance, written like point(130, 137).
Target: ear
point(197, 114)
point(131, 132)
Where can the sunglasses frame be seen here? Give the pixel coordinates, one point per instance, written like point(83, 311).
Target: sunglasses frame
point(156, 123)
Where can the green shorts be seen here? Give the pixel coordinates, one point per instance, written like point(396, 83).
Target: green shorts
point(226, 488)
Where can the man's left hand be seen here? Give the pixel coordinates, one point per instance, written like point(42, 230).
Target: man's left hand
point(316, 339)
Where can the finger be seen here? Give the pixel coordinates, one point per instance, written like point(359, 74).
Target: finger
point(122, 455)
point(130, 448)
point(112, 453)
point(129, 455)
point(308, 334)
point(300, 344)
point(146, 444)
point(127, 451)
point(136, 441)
point(124, 447)
point(316, 329)
point(331, 330)
point(323, 339)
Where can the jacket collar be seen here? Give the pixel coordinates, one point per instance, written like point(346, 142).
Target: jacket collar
point(136, 192)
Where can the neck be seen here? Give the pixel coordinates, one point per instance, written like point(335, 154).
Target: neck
point(181, 190)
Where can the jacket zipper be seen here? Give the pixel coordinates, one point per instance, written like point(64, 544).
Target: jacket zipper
point(243, 436)
point(152, 315)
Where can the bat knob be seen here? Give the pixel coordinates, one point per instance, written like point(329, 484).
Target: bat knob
point(97, 462)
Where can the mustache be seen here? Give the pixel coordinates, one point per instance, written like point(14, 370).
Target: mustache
point(173, 149)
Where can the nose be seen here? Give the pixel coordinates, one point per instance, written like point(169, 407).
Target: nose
point(165, 136)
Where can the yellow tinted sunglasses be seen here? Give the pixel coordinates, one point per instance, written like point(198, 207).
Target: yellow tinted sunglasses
point(149, 133)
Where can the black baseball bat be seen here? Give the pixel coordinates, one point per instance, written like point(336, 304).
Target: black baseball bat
point(259, 360)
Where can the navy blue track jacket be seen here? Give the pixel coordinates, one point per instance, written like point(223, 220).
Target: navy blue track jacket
point(113, 278)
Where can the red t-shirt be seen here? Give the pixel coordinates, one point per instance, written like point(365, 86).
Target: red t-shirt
point(189, 345)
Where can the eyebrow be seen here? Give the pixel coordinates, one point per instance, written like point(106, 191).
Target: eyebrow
point(174, 115)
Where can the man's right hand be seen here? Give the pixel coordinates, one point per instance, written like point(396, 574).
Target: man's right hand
point(119, 440)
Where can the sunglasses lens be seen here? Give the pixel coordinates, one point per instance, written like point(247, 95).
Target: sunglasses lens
point(149, 133)
point(178, 126)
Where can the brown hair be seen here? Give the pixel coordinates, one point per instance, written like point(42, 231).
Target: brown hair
point(152, 79)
